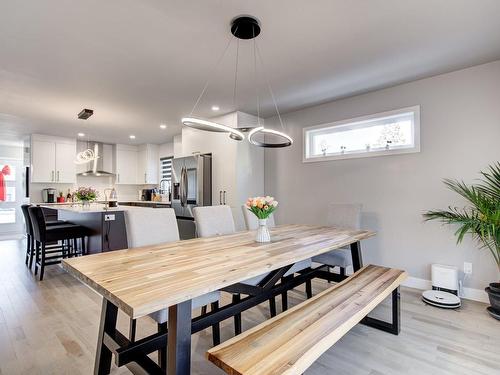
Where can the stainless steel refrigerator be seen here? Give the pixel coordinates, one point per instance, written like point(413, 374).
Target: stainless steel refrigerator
point(191, 187)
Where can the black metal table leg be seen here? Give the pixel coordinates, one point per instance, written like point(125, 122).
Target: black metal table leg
point(394, 326)
point(284, 295)
point(357, 259)
point(179, 339)
point(109, 313)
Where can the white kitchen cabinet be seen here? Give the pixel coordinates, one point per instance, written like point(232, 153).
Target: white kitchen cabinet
point(126, 162)
point(148, 164)
point(65, 162)
point(52, 159)
point(43, 155)
point(237, 166)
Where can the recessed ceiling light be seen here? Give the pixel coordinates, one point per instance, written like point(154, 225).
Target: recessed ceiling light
point(131, 136)
point(81, 134)
point(215, 108)
point(163, 126)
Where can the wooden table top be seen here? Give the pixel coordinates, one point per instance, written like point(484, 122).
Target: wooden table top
point(148, 279)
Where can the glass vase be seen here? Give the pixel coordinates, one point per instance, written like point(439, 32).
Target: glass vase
point(263, 234)
point(85, 205)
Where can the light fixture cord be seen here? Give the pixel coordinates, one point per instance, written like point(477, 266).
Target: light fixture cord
point(256, 78)
point(236, 72)
point(211, 75)
point(270, 88)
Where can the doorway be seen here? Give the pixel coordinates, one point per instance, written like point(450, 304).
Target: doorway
point(12, 195)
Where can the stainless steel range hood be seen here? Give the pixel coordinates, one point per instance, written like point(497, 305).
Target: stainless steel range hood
point(100, 167)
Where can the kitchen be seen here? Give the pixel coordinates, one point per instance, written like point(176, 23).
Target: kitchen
point(145, 175)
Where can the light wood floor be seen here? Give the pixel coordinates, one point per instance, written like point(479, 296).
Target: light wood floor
point(50, 327)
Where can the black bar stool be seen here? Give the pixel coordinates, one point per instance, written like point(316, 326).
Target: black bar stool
point(43, 234)
point(30, 242)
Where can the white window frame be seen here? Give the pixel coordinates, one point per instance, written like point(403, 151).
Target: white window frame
point(357, 122)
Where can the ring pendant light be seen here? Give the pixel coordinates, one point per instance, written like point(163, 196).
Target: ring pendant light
point(212, 126)
point(242, 27)
point(288, 141)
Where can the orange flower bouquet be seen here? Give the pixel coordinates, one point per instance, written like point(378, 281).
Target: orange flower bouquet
point(262, 207)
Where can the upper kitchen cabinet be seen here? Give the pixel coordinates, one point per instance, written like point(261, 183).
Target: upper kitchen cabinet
point(137, 165)
point(237, 166)
point(148, 164)
point(126, 162)
point(52, 159)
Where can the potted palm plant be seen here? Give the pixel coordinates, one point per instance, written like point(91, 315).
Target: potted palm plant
point(480, 219)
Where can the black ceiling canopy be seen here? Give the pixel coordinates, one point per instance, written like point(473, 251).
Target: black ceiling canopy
point(244, 27)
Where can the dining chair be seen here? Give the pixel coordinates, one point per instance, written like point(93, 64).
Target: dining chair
point(341, 216)
point(252, 223)
point(146, 227)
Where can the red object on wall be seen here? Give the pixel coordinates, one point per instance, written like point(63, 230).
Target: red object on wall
point(3, 191)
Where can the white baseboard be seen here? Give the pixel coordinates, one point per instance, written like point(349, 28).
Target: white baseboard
point(468, 293)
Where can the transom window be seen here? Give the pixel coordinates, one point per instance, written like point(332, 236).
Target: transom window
point(393, 132)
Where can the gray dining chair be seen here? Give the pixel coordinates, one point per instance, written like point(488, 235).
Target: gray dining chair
point(342, 216)
point(146, 227)
point(252, 223)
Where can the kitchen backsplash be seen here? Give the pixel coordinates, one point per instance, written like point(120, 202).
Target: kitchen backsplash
point(124, 192)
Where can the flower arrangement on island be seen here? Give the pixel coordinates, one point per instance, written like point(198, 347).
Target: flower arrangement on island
point(262, 207)
point(86, 194)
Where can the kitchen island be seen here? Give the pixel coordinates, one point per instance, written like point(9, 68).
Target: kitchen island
point(107, 227)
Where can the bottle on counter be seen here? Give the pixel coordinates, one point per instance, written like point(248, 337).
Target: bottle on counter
point(69, 197)
point(60, 198)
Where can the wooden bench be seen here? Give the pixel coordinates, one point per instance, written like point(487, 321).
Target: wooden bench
point(290, 342)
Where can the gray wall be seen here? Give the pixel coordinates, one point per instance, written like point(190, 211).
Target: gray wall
point(460, 134)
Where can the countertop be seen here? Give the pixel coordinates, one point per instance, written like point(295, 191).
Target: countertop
point(93, 208)
point(144, 202)
point(78, 208)
point(98, 202)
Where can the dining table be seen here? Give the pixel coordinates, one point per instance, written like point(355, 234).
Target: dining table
point(144, 280)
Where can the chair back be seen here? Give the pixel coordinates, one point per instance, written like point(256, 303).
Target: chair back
point(252, 222)
point(27, 220)
point(213, 220)
point(151, 226)
point(38, 222)
point(344, 215)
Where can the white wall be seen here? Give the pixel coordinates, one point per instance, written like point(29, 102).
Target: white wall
point(460, 135)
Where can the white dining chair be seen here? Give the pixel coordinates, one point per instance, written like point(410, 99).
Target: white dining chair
point(252, 223)
point(146, 227)
point(341, 216)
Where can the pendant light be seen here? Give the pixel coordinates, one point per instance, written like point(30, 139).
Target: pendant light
point(87, 155)
point(245, 28)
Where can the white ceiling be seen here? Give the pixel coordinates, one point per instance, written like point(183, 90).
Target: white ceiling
point(140, 63)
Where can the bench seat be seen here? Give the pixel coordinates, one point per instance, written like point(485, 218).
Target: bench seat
point(290, 342)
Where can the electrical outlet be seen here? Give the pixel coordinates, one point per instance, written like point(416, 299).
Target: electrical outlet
point(109, 217)
point(467, 268)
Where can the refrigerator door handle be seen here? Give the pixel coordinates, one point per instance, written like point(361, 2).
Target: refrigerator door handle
point(224, 197)
point(220, 196)
point(183, 188)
